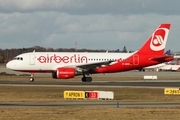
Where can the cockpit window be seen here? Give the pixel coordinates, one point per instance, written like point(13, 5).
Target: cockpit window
point(18, 58)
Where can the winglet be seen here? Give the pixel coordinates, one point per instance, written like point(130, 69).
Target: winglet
point(168, 52)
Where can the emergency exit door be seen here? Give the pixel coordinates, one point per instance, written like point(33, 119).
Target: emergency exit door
point(136, 59)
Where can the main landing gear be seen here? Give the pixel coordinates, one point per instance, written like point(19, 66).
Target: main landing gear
point(86, 79)
point(31, 79)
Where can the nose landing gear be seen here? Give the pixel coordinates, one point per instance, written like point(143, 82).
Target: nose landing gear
point(31, 79)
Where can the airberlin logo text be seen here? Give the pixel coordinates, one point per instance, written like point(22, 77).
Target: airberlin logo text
point(76, 58)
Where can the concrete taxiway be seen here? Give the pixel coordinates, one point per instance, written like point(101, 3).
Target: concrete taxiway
point(152, 83)
point(115, 104)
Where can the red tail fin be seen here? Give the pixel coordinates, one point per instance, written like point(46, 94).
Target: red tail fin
point(156, 43)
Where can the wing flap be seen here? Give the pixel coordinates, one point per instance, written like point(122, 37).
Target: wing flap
point(94, 65)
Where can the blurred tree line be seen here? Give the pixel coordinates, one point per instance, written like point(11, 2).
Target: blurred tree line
point(8, 54)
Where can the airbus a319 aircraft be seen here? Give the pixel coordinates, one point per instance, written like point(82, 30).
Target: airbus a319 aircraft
point(64, 65)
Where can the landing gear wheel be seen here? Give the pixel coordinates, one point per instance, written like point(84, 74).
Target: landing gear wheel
point(83, 79)
point(86, 79)
point(31, 79)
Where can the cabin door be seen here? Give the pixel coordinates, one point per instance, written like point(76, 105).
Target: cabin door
point(32, 59)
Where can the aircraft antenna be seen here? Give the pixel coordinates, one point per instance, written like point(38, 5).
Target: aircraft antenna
point(75, 46)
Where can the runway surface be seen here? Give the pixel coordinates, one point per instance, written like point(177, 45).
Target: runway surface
point(115, 104)
point(152, 83)
point(110, 83)
point(167, 74)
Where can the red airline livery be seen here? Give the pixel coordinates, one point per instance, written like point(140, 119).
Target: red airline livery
point(64, 65)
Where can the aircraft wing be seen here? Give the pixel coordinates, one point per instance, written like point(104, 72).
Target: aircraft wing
point(95, 65)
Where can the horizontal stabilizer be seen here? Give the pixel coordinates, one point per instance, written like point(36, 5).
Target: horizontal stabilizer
point(163, 58)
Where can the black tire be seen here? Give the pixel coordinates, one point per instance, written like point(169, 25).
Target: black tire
point(83, 79)
point(31, 79)
point(88, 79)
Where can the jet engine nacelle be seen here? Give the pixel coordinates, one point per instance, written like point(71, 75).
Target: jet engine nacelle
point(64, 73)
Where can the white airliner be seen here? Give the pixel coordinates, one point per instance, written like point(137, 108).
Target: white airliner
point(154, 67)
point(172, 65)
point(64, 65)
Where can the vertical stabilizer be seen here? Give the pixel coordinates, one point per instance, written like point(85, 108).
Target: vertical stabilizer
point(156, 43)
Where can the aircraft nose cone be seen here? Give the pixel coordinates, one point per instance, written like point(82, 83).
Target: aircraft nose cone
point(9, 65)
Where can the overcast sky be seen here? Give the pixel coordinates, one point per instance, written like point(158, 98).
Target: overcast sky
point(93, 24)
